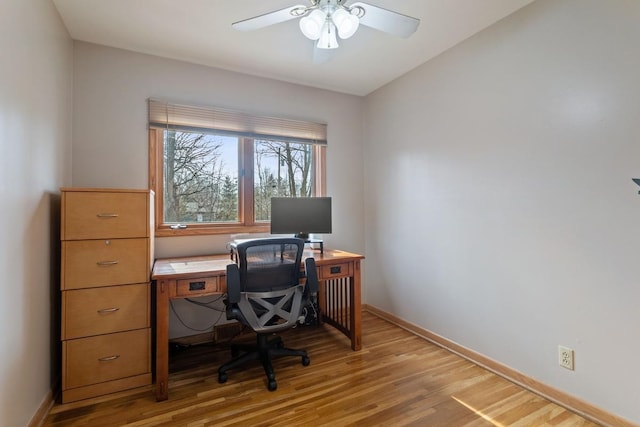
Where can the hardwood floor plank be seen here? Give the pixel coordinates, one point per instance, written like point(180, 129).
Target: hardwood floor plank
point(397, 379)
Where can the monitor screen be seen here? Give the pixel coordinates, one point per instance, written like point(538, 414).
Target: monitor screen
point(300, 215)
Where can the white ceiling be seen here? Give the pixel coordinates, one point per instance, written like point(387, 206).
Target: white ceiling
point(200, 31)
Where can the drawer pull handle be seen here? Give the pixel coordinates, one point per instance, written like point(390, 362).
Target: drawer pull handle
point(108, 310)
point(106, 263)
point(335, 270)
point(197, 286)
point(107, 215)
point(109, 358)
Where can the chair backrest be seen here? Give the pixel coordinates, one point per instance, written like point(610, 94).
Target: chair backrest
point(269, 264)
point(270, 297)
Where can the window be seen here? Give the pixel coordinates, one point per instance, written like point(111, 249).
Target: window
point(215, 176)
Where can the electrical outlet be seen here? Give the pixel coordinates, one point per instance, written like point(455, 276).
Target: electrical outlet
point(565, 357)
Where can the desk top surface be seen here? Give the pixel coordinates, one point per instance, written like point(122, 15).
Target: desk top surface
point(216, 265)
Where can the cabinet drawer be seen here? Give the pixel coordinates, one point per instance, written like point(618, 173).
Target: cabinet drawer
point(106, 357)
point(104, 215)
point(87, 312)
point(91, 263)
point(335, 270)
point(195, 287)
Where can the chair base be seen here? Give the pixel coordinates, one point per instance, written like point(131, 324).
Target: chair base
point(264, 350)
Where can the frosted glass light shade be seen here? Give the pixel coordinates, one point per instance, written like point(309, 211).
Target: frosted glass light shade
point(346, 23)
point(311, 25)
point(328, 38)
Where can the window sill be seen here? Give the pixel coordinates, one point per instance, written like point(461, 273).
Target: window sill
point(198, 230)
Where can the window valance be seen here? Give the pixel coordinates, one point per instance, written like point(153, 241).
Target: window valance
point(167, 115)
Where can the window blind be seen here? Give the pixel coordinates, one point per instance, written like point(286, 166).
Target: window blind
point(167, 115)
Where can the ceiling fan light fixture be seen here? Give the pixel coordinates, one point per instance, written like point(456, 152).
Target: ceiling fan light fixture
point(328, 39)
point(312, 24)
point(324, 21)
point(346, 23)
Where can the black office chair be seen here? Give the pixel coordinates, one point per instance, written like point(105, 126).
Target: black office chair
point(264, 292)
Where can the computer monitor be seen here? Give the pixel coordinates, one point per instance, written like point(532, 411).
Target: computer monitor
point(300, 215)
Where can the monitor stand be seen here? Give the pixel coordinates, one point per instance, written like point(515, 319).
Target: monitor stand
point(311, 242)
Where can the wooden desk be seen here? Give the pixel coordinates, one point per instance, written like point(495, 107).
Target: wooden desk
point(338, 295)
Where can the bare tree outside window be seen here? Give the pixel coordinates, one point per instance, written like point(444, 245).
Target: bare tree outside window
point(198, 185)
point(282, 169)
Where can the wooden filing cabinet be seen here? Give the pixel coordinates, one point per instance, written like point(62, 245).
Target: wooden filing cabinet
point(107, 255)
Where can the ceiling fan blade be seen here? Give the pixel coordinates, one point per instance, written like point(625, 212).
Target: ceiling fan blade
point(267, 19)
point(386, 20)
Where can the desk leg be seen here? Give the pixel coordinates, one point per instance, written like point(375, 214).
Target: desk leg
point(356, 308)
point(162, 340)
point(340, 304)
point(322, 303)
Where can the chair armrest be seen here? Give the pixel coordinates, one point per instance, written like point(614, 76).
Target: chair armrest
point(312, 275)
point(233, 284)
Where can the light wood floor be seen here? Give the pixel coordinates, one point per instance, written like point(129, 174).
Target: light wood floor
point(397, 379)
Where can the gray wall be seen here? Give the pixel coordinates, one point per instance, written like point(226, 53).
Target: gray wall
point(498, 204)
point(500, 211)
point(35, 160)
point(110, 142)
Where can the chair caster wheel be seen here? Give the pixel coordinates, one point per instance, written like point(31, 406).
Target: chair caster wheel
point(305, 361)
point(272, 385)
point(222, 378)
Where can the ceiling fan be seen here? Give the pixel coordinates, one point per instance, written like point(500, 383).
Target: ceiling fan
point(326, 20)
